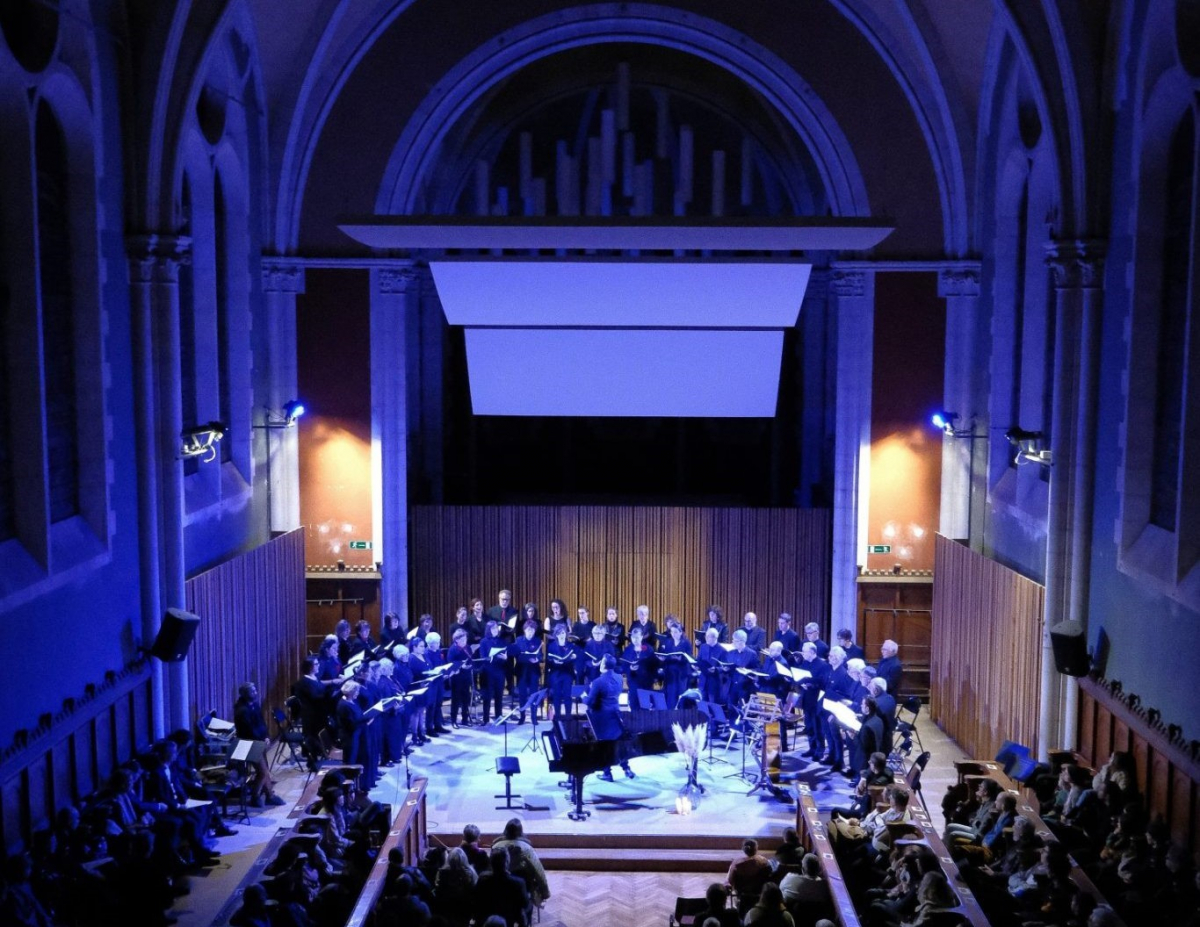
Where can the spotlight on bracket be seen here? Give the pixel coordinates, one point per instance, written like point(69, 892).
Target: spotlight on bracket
point(1029, 446)
point(201, 441)
point(285, 419)
point(944, 422)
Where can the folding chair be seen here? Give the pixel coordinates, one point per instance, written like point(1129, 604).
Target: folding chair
point(288, 738)
point(686, 910)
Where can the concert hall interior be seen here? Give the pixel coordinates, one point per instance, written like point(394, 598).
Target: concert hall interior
point(877, 314)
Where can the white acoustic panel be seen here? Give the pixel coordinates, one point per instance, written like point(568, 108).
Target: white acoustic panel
point(600, 372)
point(707, 294)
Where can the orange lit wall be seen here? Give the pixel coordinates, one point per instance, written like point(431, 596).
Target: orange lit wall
point(333, 346)
point(906, 452)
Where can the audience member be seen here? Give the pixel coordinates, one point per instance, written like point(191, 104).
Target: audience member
point(500, 893)
point(769, 911)
point(747, 875)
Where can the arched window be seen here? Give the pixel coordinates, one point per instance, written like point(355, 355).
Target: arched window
point(55, 267)
point(1177, 238)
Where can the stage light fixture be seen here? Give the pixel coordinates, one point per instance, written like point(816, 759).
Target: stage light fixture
point(292, 410)
point(944, 422)
point(201, 441)
point(1029, 447)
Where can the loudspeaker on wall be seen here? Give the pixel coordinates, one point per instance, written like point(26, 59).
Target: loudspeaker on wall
point(1070, 648)
point(175, 635)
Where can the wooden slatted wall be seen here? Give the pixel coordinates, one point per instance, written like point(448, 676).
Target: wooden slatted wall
point(986, 651)
point(676, 560)
point(75, 755)
point(1168, 778)
point(252, 625)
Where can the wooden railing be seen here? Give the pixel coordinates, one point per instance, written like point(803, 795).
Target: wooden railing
point(814, 834)
point(408, 832)
point(1168, 771)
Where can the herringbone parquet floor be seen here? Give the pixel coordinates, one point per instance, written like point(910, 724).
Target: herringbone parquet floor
point(618, 899)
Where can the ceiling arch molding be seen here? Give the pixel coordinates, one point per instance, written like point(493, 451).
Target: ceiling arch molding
point(415, 153)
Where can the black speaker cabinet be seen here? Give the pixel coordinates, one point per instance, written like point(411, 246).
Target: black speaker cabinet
point(175, 635)
point(1070, 648)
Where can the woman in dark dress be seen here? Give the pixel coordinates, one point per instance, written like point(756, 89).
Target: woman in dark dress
point(351, 727)
point(561, 658)
point(639, 663)
point(528, 654)
point(677, 670)
point(459, 654)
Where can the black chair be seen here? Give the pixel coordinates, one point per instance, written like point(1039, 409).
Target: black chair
point(288, 736)
point(686, 910)
point(906, 730)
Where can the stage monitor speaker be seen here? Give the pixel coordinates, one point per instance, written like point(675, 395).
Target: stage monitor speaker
point(1070, 648)
point(175, 635)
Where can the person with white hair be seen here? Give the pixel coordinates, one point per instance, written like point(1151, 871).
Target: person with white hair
point(890, 667)
point(886, 703)
point(812, 635)
point(756, 637)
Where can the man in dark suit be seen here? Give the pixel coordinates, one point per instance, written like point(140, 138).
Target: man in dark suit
point(886, 704)
point(812, 633)
point(890, 667)
point(785, 635)
point(502, 893)
point(503, 611)
point(868, 741)
point(602, 701)
point(811, 690)
point(845, 639)
point(756, 637)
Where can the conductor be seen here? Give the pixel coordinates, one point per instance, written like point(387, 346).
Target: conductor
point(603, 700)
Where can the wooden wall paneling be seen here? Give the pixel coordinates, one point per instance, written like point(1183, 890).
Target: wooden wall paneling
point(676, 560)
point(984, 650)
point(83, 772)
point(1103, 737)
point(1157, 784)
point(248, 606)
point(1087, 725)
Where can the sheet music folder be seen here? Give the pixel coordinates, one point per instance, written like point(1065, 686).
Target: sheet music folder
point(248, 751)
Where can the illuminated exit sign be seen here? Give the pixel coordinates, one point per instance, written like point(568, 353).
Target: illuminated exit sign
point(871, 548)
point(366, 545)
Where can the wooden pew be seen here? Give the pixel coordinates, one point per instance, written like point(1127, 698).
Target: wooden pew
point(408, 832)
point(814, 834)
point(312, 791)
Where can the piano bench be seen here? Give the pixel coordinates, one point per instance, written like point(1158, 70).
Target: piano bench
point(508, 766)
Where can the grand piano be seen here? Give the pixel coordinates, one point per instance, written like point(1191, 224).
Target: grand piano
point(572, 748)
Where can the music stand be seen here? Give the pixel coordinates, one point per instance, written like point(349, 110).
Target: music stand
point(503, 720)
point(531, 705)
point(716, 717)
point(652, 700)
point(577, 693)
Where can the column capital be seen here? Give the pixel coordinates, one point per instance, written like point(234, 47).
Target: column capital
point(960, 280)
point(156, 258)
point(818, 284)
point(847, 284)
point(1076, 264)
point(282, 275)
point(397, 281)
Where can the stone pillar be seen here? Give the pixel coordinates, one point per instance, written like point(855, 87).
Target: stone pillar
point(154, 262)
point(430, 394)
point(963, 459)
point(394, 291)
point(1076, 268)
point(817, 338)
point(854, 294)
point(282, 280)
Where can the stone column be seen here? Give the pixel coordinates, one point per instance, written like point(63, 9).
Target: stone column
point(282, 280)
point(814, 317)
point(963, 459)
point(394, 291)
point(854, 294)
point(1076, 268)
point(154, 262)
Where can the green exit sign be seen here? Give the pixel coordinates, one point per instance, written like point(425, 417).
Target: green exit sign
point(871, 548)
point(366, 545)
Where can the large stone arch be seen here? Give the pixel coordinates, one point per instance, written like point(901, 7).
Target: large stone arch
point(419, 144)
